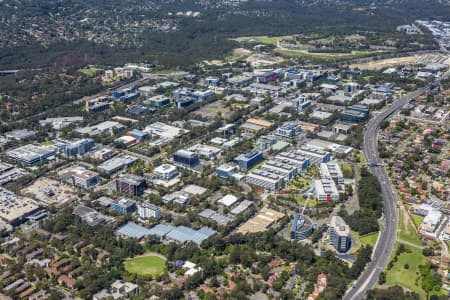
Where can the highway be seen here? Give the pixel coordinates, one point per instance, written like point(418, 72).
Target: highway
point(388, 234)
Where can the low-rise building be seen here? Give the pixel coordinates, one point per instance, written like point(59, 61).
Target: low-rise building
point(80, 176)
point(355, 114)
point(116, 163)
point(14, 209)
point(147, 210)
point(289, 130)
point(159, 101)
point(166, 172)
point(315, 155)
point(332, 171)
point(326, 190)
point(186, 158)
point(249, 160)
point(124, 205)
point(265, 180)
point(107, 127)
point(79, 148)
point(31, 154)
point(225, 171)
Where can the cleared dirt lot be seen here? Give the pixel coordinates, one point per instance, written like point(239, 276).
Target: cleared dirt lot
point(49, 191)
point(389, 62)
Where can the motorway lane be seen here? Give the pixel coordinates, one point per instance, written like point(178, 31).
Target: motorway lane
point(388, 234)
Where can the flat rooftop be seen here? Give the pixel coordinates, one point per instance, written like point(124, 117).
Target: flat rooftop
point(262, 221)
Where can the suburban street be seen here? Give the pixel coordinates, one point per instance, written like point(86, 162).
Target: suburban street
point(388, 234)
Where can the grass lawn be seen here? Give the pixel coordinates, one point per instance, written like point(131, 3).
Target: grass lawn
point(417, 219)
point(369, 239)
point(361, 157)
point(409, 278)
point(299, 183)
point(407, 232)
point(90, 71)
point(146, 265)
point(266, 40)
point(347, 170)
point(164, 71)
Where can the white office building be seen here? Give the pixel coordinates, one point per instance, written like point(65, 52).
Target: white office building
point(325, 190)
point(147, 210)
point(332, 171)
point(166, 172)
point(339, 234)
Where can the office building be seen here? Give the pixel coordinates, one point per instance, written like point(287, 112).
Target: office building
point(186, 158)
point(14, 209)
point(107, 127)
point(80, 176)
point(265, 142)
point(325, 190)
point(31, 154)
point(147, 210)
point(124, 205)
point(61, 122)
point(116, 163)
point(301, 103)
point(288, 131)
point(79, 148)
point(20, 134)
point(265, 180)
point(225, 171)
point(164, 130)
point(206, 151)
point(159, 101)
point(138, 134)
point(249, 160)
point(301, 227)
point(314, 154)
point(355, 114)
point(299, 161)
point(285, 170)
point(339, 234)
point(130, 185)
point(166, 172)
point(332, 171)
point(212, 81)
point(126, 95)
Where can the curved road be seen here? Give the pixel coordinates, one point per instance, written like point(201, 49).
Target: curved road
point(388, 234)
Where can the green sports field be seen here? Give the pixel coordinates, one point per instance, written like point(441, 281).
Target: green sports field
point(146, 265)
